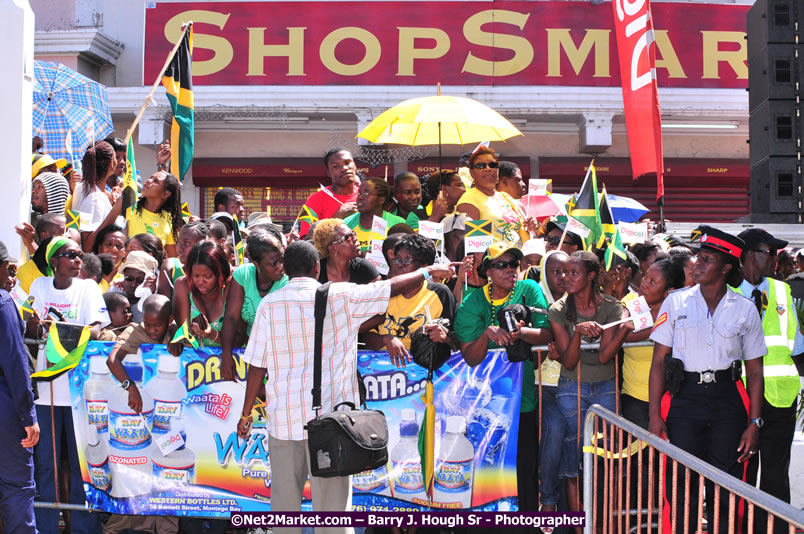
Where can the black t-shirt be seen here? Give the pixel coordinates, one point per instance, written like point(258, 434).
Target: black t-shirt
point(361, 271)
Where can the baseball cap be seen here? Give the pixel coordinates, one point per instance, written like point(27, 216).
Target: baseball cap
point(141, 261)
point(571, 237)
point(754, 236)
point(720, 241)
point(4, 255)
point(501, 247)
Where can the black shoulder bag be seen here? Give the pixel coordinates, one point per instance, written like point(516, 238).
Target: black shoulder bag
point(343, 442)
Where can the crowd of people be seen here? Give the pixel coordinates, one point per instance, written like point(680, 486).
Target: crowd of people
point(719, 306)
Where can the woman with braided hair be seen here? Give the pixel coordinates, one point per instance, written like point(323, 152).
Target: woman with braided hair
point(587, 376)
point(158, 211)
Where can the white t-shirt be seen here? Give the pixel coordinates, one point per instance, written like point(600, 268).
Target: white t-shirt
point(96, 205)
point(80, 303)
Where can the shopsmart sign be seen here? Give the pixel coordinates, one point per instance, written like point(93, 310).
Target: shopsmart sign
point(418, 43)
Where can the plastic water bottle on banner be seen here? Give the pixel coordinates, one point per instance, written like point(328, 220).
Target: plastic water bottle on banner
point(375, 481)
point(167, 391)
point(454, 465)
point(96, 394)
point(178, 467)
point(97, 456)
point(130, 437)
point(406, 470)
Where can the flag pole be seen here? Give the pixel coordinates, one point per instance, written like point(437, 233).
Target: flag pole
point(661, 213)
point(184, 31)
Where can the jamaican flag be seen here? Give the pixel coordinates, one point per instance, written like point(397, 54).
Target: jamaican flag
point(73, 219)
point(606, 220)
point(178, 82)
point(185, 211)
point(427, 439)
point(66, 344)
point(615, 251)
point(307, 215)
point(183, 334)
point(585, 209)
point(237, 238)
point(130, 179)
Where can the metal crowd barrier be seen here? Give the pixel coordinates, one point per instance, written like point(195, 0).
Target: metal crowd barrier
point(621, 453)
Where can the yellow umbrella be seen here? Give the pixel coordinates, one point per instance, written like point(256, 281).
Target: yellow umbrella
point(436, 120)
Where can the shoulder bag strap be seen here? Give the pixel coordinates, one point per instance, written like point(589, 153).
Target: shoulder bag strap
point(321, 294)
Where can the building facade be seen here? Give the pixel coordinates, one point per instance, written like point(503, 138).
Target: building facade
point(278, 83)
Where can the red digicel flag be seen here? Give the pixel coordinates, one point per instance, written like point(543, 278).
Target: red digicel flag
point(636, 50)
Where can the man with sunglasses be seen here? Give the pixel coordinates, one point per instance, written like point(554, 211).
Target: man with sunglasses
point(781, 365)
point(413, 309)
point(572, 241)
point(138, 267)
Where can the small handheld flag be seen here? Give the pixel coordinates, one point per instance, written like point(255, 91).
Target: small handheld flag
point(65, 347)
point(183, 334)
point(73, 219)
point(130, 178)
point(185, 211)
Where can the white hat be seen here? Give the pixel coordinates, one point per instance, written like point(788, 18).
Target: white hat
point(534, 246)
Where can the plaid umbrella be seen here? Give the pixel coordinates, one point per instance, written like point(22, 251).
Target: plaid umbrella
point(69, 110)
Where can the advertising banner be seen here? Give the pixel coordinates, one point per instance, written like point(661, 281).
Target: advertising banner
point(467, 43)
point(182, 456)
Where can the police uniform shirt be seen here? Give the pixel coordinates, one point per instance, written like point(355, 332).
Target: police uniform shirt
point(704, 341)
point(747, 288)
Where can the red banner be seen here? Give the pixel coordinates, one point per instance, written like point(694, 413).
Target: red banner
point(633, 28)
point(455, 43)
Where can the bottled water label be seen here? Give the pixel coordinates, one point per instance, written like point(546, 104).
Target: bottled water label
point(372, 481)
point(163, 411)
point(408, 477)
point(98, 415)
point(99, 475)
point(128, 431)
point(173, 476)
point(454, 477)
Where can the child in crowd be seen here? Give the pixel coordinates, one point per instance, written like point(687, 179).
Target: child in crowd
point(91, 268)
point(156, 327)
point(119, 310)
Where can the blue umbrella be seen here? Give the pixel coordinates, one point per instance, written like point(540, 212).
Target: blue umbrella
point(626, 209)
point(69, 110)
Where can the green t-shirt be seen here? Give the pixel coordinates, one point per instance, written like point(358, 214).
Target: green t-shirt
point(246, 276)
point(474, 316)
point(365, 236)
point(591, 369)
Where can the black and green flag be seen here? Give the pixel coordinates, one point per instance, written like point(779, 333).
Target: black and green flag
point(178, 82)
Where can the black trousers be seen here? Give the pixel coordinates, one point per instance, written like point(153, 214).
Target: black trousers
point(775, 441)
point(706, 420)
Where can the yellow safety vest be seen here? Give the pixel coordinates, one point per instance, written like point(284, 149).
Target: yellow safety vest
point(782, 382)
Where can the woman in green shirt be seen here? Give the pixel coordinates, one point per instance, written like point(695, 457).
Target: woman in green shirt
point(250, 283)
point(477, 329)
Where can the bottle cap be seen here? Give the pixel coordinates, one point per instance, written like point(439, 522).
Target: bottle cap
point(97, 365)
point(92, 435)
point(134, 370)
point(168, 364)
point(409, 414)
point(456, 424)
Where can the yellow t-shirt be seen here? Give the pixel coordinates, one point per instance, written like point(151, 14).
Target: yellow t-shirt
point(147, 222)
point(508, 218)
point(636, 366)
point(27, 273)
point(405, 316)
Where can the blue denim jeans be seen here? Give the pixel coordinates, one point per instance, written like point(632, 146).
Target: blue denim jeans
point(554, 430)
point(602, 393)
point(47, 521)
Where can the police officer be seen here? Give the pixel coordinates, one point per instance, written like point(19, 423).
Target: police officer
point(708, 328)
point(774, 303)
point(17, 416)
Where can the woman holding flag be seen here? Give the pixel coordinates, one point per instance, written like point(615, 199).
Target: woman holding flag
point(158, 211)
point(61, 296)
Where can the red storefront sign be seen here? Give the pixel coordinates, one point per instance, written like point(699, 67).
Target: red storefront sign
point(260, 172)
point(458, 43)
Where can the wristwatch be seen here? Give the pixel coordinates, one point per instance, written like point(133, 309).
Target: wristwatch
point(125, 384)
point(758, 421)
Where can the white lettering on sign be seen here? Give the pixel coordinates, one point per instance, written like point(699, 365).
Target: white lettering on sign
point(538, 186)
point(379, 226)
point(378, 260)
point(477, 243)
point(433, 230)
point(576, 226)
point(638, 17)
point(640, 313)
point(633, 232)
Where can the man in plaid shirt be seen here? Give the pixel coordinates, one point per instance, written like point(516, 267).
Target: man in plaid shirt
point(282, 345)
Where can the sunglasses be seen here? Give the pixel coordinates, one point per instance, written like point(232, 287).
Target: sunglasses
point(347, 237)
point(502, 265)
point(490, 165)
point(72, 254)
point(402, 261)
point(554, 240)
